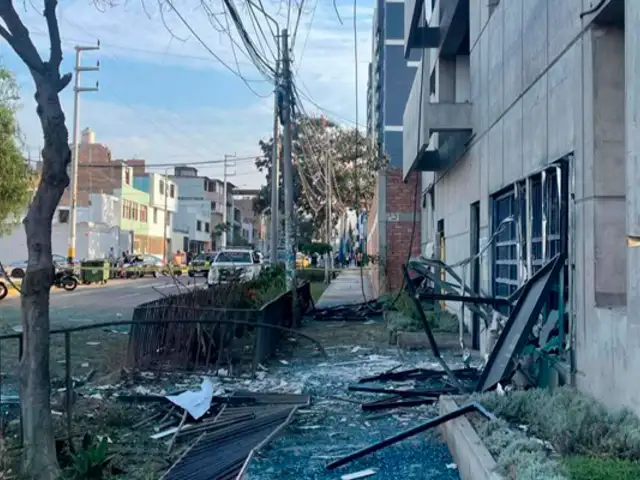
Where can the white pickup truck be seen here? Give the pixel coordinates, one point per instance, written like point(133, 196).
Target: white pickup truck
point(232, 264)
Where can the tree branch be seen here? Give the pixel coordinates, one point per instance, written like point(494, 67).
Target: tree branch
point(17, 36)
point(55, 57)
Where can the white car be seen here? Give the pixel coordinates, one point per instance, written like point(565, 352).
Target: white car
point(232, 264)
point(18, 269)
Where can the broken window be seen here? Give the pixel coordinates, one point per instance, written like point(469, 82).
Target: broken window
point(536, 234)
point(505, 251)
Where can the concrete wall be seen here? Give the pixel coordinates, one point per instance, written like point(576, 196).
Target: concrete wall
point(92, 241)
point(544, 84)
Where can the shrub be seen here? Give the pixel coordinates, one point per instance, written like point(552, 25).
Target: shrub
point(439, 321)
point(314, 275)
point(518, 456)
point(572, 422)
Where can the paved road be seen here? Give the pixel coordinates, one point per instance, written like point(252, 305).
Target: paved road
point(96, 303)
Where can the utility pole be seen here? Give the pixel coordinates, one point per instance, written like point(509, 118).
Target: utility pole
point(329, 255)
point(167, 220)
point(275, 172)
point(77, 89)
point(289, 233)
point(225, 213)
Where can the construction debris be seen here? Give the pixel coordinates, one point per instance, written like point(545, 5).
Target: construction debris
point(356, 312)
point(222, 451)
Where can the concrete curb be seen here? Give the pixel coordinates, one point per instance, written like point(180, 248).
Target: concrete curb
point(472, 457)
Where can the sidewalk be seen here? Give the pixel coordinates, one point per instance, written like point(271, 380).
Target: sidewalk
point(347, 289)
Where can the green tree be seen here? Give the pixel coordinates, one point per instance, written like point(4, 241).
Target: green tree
point(16, 178)
point(39, 453)
point(354, 164)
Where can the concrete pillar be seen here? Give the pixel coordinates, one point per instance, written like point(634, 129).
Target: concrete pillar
point(632, 139)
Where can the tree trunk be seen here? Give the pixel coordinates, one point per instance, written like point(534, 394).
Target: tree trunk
point(39, 459)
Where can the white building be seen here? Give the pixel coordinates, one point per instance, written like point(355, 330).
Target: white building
point(97, 231)
point(195, 224)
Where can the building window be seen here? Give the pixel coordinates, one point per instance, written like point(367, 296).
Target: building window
point(63, 216)
point(155, 215)
point(199, 226)
point(206, 227)
point(161, 187)
point(213, 206)
point(172, 190)
point(134, 211)
point(143, 213)
point(505, 250)
point(167, 216)
point(127, 176)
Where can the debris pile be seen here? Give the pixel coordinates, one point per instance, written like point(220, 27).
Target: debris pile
point(356, 312)
point(218, 431)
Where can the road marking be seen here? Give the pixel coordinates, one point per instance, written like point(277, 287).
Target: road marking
point(130, 295)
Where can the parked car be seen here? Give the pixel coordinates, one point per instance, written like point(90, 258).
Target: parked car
point(200, 264)
point(18, 269)
point(144, 264)
point(242, 264)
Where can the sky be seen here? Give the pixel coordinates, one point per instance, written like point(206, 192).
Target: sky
point(164, 97)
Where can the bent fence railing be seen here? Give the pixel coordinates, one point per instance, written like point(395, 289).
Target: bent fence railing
point(179, 337)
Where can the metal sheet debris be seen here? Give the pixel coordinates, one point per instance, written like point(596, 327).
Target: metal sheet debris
point(197, 403)
point(519, 325)
point(361, 474)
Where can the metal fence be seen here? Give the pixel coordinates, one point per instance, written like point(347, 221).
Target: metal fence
point(172, 333)
point(179, 332)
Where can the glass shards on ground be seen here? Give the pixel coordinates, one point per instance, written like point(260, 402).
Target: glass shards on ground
point(302, 397)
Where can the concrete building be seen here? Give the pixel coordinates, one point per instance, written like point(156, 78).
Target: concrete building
point(97, 231)
point(390, 218)
point(518, 111)
point(206, 194)
point(243, 199)
point(161, 206)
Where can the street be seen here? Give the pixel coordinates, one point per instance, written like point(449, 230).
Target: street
point(97, 303)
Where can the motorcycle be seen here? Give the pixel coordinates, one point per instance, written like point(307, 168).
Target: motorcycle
point(66, 280)
point(4, 291)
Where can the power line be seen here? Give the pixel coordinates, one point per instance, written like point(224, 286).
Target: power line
point(306, 38)
point(116, 164)
point(184, 134)
point(213, 54)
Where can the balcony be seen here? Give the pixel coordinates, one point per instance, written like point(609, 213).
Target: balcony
point(451, 37)
point(416, 33)
point(450, 121)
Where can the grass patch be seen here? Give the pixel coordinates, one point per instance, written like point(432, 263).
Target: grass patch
point(591, 468)
point(409, 320)
point(317, 289)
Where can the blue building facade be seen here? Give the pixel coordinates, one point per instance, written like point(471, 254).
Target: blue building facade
point(390, 79)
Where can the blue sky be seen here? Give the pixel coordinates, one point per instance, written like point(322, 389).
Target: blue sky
point(164, 98)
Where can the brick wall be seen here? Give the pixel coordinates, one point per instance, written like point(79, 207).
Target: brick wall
point(402, 202)
point(93, 153)
point(373, 239)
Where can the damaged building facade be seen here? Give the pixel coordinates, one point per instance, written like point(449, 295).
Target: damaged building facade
point(390, 219)
point(527, 143)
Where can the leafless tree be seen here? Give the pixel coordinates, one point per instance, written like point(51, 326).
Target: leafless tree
point(39, 459)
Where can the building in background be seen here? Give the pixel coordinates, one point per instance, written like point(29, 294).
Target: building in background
point(390, 220)
point(98, 231)
point(161, 210)
point(521, 118)
point(204, 194)
point(243, 199)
